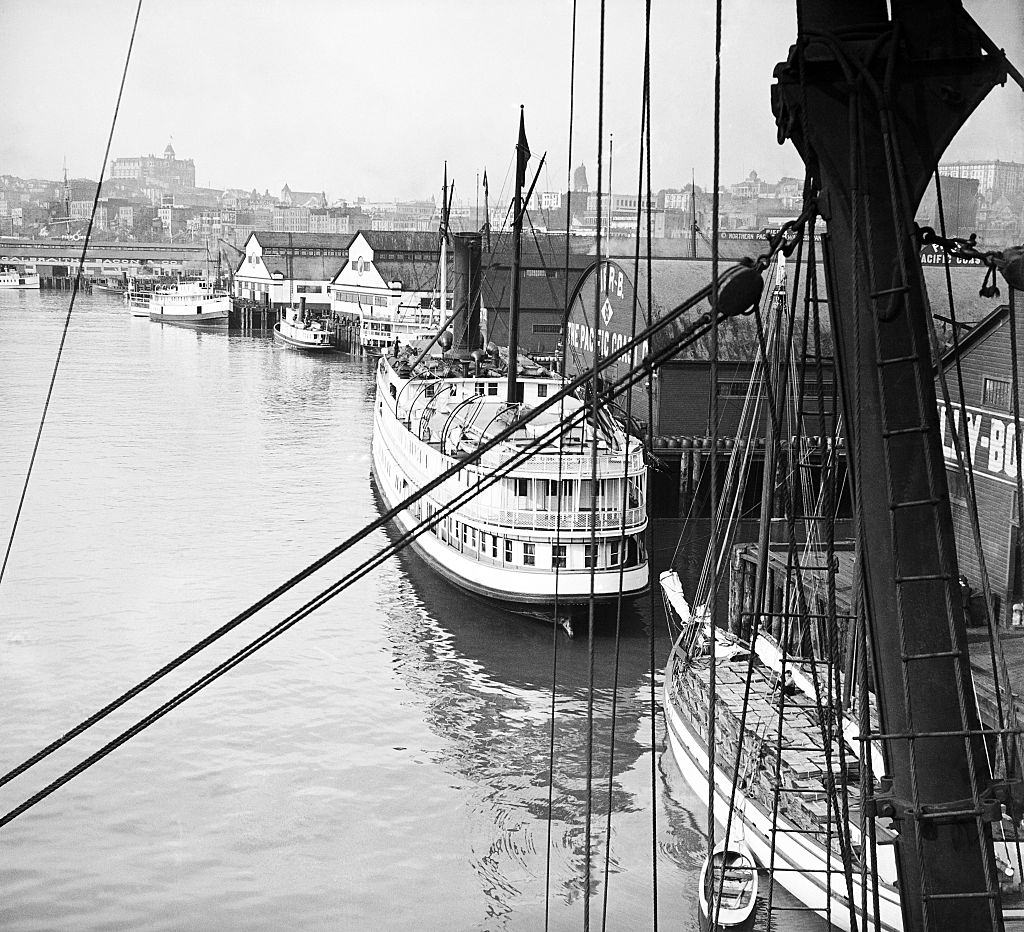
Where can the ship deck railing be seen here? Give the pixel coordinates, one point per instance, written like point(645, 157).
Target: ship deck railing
point(543, 520)
point(568, 464)
point(170, 297)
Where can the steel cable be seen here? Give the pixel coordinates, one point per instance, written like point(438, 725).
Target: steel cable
point(74, 295)
point(700, 326)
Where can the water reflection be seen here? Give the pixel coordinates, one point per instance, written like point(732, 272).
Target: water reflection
point(484, 678)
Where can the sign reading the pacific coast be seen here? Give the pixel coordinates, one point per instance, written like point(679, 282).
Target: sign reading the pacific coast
point(606, 296)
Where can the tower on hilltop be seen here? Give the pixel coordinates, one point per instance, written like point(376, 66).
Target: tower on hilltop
point(579, 179)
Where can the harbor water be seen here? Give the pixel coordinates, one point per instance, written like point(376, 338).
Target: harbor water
point(385, 764)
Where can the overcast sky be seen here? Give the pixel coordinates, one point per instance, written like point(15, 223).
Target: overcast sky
point(368, 97)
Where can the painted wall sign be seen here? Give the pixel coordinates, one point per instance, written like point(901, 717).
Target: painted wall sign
point(605, 295)
point(932, 254)
point(991, 438)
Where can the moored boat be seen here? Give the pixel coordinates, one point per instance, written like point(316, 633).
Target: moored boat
point(189, 304)
point(728, 889)
point(783, 768)
point(298, 331)
point(535, 535)
point(22, 278)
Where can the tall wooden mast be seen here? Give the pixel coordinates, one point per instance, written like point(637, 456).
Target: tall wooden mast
point(522, 157)
point(871, 103)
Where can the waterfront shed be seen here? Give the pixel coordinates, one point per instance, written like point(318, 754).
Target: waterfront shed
point(279, 269)
point(988, 433)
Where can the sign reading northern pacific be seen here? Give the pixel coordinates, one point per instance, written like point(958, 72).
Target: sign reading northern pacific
point(601, 319)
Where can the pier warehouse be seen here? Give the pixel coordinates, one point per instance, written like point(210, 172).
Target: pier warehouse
point(989, 436)
point(541, 296)
point(386, 271)
point(279, 269)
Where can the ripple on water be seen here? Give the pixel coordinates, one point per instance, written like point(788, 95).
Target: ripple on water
point(383, 764)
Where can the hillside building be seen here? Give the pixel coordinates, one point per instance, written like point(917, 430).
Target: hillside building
point(168, 171)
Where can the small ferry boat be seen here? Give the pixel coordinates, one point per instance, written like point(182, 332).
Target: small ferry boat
point(298, 331)
point(22, 278)
point(112, 284)
point(190, 304)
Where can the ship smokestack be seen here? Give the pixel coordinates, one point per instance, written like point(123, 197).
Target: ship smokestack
point(467, 294)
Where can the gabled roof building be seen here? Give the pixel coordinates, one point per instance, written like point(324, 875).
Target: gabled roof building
point(279, 269)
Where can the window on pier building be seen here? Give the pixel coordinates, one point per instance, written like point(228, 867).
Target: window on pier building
point(558, 556)
point(542, 390)
point(478, 388)
point(529, 555)
point(508, 551)
point(492, 388)
point(995, 393)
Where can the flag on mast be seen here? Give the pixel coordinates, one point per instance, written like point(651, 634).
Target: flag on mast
point(522, 150)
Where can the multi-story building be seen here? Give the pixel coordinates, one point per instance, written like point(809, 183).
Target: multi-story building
point(995, 178)
point(167, 172)
point(751, 186)
point(307, 199)
point(960, 204)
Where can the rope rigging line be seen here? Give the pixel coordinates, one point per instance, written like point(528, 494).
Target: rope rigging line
point(588, 818)
point(708, 318)
point(558, 505)
point(652, 604)
point(696, 329)
point(860, 76)
point(713, 905)
point(937, 480)
point(624, 499)
point(74, 295)
point(1006, 714)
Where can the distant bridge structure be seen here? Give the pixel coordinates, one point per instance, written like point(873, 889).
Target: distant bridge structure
point(59, 258)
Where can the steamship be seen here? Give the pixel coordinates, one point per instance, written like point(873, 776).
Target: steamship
point(543, 533)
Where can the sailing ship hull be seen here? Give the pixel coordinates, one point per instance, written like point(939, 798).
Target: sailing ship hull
point(306, 346)
point(800, 864)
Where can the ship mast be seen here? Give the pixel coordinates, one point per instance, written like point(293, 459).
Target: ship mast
point(871, 104)
point(522, 157)
point(444, 247)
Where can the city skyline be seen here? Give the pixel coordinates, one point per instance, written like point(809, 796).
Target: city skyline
point(372, 101)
